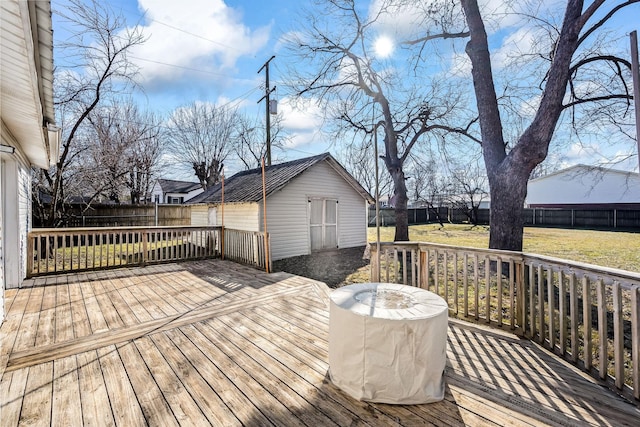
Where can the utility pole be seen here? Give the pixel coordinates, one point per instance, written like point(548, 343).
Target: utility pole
point(635, 74)
point(267, 92)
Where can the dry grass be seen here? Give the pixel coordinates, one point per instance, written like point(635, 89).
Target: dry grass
point(612, 249)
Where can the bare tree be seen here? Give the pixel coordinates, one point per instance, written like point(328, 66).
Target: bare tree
point(125, 154)
point(251, 146)
point(145, 159)
point(201, 136)
point(468, 189)
point(510, 165)
point(351, 83)
point(98, 51)
point(429, 187)
point(359, 159)
point(104, 158)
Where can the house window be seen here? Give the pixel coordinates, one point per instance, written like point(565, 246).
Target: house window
point(176, 200)
point(157, 198)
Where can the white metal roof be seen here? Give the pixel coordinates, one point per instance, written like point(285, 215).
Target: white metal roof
point(26, 78)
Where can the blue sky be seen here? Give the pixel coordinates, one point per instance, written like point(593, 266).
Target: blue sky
point(211, 51)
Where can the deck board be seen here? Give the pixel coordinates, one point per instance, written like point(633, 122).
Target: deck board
point(216, 343)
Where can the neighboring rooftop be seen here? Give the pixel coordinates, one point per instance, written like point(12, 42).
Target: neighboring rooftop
point(173, 186)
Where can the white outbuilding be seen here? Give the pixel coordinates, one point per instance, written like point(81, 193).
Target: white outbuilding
point(585, 187)
point(312, 204)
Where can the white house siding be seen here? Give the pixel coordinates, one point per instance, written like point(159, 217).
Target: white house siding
point(156, 191)
point(16, 187)
point(24, 218)
point(2, 228)
point(288, 213)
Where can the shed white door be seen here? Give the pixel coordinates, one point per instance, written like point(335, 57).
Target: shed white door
point(323, 223)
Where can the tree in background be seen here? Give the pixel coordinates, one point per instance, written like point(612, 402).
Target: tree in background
point(200, 137)
point(568, 82)
point(468, 189)
point(98, 51)
point(123, 155)
point(250, 146)
point(428, 186)
point(359, 160)
point(344, 75)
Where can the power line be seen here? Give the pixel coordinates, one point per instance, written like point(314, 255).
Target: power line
point(189, 68)
point(229, 103)
point(173, 27)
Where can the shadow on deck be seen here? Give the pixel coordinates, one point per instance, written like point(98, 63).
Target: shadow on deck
point(215, 343)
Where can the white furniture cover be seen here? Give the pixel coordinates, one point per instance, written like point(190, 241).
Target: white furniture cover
point(387, 343)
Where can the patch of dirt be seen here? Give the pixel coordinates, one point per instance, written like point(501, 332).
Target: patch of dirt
point(336, 267)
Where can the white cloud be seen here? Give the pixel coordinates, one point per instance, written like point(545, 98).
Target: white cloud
point(517, 44)
point(194, 34)
point(460, 65)
point(580, 153)
point(529, 107)
point(303, 115)
point(302, 120)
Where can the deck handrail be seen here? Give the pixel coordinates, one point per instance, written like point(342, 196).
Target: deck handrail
point(564, 306)
point(64, 250)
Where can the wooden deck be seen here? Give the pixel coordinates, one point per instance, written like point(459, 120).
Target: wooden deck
point(216, 343)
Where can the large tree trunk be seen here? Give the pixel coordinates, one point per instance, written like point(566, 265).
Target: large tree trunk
point(508, 192)
point(509, 173)
point(401, 200)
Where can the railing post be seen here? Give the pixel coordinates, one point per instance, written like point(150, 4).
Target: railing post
point(424, 269)
point(30, 254)
point(521, 297)
point(375, 264)
point(635, 339)
point(145, 254)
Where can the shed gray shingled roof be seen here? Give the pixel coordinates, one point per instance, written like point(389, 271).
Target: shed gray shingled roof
point(173, 186)
point(246, 186)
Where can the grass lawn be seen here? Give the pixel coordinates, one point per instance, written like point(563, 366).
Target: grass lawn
point(604, 248)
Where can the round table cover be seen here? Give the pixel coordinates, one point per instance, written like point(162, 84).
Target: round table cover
point(387, 343)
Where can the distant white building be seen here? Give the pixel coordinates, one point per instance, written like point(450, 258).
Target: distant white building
point(586, 187)
point(169, 191)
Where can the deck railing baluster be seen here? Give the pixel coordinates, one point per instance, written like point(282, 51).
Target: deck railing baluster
point(550, 301)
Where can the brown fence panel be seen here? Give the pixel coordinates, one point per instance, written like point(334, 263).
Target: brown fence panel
point(588, 218)
point(129, 216)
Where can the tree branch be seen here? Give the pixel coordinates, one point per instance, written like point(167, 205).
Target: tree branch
point(597, 98)
point(427, 38)
point(592, 9)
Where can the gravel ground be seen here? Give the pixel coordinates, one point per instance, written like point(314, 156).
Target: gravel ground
point(334, 267)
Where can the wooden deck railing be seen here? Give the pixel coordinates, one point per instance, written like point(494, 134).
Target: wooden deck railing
point(56, 250)
point(588, 315)
point(247, 247)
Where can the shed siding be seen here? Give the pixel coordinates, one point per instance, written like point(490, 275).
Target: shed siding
point(240, 216)
point(288, 213)
point(199, 215)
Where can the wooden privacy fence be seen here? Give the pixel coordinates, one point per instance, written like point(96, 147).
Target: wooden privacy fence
point(99, 215)
point(587, 314)
point(57, 250)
